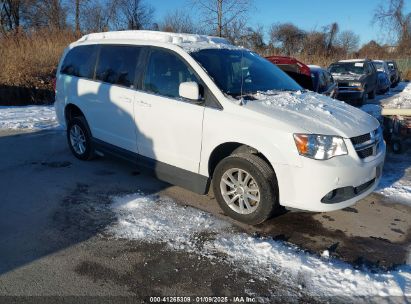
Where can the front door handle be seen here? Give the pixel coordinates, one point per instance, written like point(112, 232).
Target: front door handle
point(143, 103)
point(125, 99)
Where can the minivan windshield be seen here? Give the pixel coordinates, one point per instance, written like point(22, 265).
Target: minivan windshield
point(242, 72)
point(356, 68)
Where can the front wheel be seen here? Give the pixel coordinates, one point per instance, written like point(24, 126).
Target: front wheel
point(246, 189)
point(79, 138)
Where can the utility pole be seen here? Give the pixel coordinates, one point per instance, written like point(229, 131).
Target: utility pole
point(77, 16)
point(220, 18)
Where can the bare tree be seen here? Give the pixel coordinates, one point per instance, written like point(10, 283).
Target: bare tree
point(348, 41)
point(219, 14)
point(331, 32)
point(134, 14)
point(315, 43)
point(288, 37)
point(98, 16)
point(178, 21)
point(372, 50)
point(46, 13)
point(10, 15)
point(394, 17)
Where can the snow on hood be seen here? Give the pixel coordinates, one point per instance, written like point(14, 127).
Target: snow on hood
point(314, 113)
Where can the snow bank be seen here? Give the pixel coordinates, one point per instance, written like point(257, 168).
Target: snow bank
point(400, 100)
point(396, 178)
point(158, 219)
point(29, 117)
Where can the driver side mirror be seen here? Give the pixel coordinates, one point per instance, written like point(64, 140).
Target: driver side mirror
point(189, 90)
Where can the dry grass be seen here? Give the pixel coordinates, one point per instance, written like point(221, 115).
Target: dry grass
point(30, 59)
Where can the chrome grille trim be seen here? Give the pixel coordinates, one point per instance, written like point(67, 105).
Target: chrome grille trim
point(367, 144)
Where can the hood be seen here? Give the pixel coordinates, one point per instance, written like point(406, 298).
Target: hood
point(348, 77)
point(315, 113)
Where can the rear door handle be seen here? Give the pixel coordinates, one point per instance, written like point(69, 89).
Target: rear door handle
point(143, 103)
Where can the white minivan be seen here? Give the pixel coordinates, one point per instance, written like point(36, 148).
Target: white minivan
point(197, 111)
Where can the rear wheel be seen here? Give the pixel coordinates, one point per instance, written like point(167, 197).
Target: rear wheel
point(79, 138)
point(246, 188)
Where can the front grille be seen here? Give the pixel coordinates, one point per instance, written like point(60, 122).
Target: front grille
point(343, 84)
point(360, 139)
point(367, 144)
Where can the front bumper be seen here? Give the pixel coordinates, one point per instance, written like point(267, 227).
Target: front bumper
point(348, 95)
point(307, 186)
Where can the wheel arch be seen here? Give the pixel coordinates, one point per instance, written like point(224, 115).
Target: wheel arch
point(225, 149)
point(71, 111)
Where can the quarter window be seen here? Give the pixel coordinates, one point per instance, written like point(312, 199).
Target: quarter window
point(80, 61)
point(164, 74)
point(117, 64)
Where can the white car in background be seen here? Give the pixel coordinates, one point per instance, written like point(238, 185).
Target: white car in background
point(197, 111)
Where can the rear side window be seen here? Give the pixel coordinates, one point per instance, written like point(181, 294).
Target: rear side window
point(165, 72)
point(117, 64)
point(80, 61)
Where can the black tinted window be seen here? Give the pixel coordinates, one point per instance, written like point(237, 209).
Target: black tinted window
point(241, 71)
point(117, 64)
point(165, 72)
point(80, 61)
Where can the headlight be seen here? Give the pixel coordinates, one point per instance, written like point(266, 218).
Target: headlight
point(354, 84)
point(320, 146)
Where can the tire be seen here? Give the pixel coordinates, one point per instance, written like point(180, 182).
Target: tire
point(396, 146)
point(372, 94)
point(78, 127)
point(262, 178)
point(362, 100)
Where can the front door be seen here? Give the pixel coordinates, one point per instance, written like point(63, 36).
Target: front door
point(169, 128)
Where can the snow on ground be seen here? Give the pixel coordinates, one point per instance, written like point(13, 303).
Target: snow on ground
point(151, 218)
point(400, 100)
point(28, 117)
point(396, 178)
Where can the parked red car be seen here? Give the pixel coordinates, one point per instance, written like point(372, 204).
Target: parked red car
point(313, 78)
point(297, 70)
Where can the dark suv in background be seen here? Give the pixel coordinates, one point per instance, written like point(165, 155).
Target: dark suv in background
point(356, 79)
point(395, 74)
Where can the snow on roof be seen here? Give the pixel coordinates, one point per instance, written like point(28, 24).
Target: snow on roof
point(190, 42)
point(353, 60)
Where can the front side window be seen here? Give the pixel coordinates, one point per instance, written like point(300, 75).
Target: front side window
point(238, 72)
point(165, 72)
point(80, 61)
point(117, 64)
